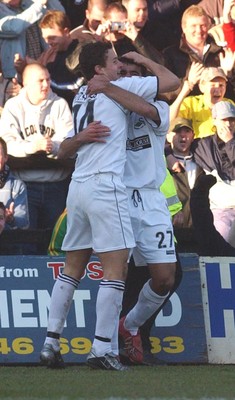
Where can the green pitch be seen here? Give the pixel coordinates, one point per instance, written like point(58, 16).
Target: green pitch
point(205, 382)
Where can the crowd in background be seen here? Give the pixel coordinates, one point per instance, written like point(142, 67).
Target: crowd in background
point(40, 43)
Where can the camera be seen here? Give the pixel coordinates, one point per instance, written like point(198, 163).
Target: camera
point(117, 26)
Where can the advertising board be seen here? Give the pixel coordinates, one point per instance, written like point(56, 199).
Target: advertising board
point(218, 293)
point(26, 283)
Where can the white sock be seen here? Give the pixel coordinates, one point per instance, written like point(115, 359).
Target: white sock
point(61, 299)
point(148, 302)
point(54, 342)
point(108, 308)
point(114, 341)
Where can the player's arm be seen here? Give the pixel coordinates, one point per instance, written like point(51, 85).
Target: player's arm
point(167, 80)
point(129, 100)
point(94, 132)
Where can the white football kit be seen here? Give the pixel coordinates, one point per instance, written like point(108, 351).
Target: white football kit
point(97, 202)
point(145, 171)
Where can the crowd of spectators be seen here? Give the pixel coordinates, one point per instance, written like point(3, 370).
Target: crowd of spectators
point(40, 41)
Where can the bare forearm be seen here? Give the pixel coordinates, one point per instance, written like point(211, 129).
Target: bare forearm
point(167, 80)
point(131, 101)
point(69, 147)
point(94, 132)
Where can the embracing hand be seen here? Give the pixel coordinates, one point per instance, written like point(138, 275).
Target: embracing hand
point(97, 84)
point(94, 132)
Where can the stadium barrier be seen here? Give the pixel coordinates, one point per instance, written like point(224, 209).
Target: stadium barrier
point(218, 296)
point(196, 326)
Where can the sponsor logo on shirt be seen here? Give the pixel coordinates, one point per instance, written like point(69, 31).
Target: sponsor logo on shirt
point(139, 143)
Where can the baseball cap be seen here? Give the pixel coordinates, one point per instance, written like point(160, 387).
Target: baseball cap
point(223, 109)
point(180, 122)
point(210, 73)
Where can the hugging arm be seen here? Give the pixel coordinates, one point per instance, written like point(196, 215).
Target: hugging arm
point(129, 100)
point(94, 132)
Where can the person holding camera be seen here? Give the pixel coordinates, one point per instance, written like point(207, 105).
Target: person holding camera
point(116, 28)
point(125, 34)
point(89, 30)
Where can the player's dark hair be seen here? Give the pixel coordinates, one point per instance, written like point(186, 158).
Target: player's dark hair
point(4, 145)
point(127, 61)
point(93, 54)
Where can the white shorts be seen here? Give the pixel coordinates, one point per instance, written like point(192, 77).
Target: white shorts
point(98, 215)
point(152, 227)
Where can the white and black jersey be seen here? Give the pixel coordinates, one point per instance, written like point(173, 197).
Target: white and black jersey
point(145, 171)
point(109, 157)
point(145, 165)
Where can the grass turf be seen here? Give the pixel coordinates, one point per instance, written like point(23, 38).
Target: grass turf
point(79, 382)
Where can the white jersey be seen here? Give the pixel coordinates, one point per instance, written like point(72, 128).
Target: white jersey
point(109, 157)
point(145, 165)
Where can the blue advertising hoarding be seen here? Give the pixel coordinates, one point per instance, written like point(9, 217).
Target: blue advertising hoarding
point(183, 337)
point(218, 291)
point(25, 287)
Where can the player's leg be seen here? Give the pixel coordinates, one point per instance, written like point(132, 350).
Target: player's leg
point(151, 298)
point(155, 245)
point(136, 278)
point(145, 329)
point(108, 308)
point(152, 295)
point(61, 299)
point(77, 244)
point(112, 237)
point(63, 290)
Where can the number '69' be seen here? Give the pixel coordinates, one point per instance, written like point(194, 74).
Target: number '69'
point(79, 345)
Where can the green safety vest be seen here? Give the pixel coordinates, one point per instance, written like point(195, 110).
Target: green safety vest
point(169, 190)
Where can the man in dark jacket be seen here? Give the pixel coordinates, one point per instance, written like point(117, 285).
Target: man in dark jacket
point(55, 27)
point(195, 45)
point(181, 137)
point(94, 14)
